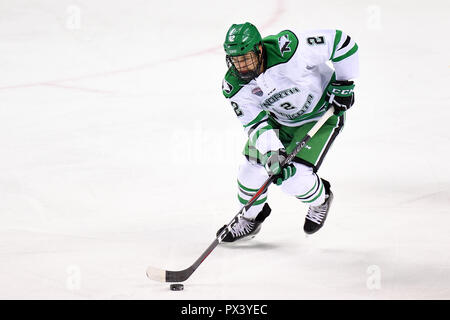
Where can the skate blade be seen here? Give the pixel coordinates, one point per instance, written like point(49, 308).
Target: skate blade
point(240, 241)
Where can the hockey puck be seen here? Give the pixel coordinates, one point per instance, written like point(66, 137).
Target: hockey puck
point(176, 287)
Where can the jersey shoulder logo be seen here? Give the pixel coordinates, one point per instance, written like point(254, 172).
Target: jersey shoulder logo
point(226, 86)
point(283, 43)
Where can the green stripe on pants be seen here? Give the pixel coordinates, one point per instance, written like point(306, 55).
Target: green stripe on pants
point(314, 152)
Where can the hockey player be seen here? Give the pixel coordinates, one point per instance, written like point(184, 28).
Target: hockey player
point(279, 86)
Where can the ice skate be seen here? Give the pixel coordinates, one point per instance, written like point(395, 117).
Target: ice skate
point(317, 215)
point(246, 228)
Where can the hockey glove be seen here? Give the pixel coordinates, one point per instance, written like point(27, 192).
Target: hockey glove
point(344, 96)
point(273, 166)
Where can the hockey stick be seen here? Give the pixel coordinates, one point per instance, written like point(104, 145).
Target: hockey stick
point(182, 275)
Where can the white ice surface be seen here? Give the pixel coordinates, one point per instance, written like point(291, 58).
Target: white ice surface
point(95, 183)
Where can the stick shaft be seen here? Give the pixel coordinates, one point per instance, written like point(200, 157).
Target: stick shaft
point(182, 275)
point(291, 156)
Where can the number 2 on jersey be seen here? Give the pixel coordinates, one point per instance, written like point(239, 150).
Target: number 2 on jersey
point(315, 40)
point(236, 109)
point(287, 106)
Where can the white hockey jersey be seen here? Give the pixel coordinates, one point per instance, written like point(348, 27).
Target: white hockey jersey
point(292, 89)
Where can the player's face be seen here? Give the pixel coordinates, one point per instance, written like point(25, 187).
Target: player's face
point(246, 63)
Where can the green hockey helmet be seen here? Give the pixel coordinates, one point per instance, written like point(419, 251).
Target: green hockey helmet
point(239, 41)
point(241, 38)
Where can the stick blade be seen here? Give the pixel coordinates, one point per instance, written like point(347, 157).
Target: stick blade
point(156, 274)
